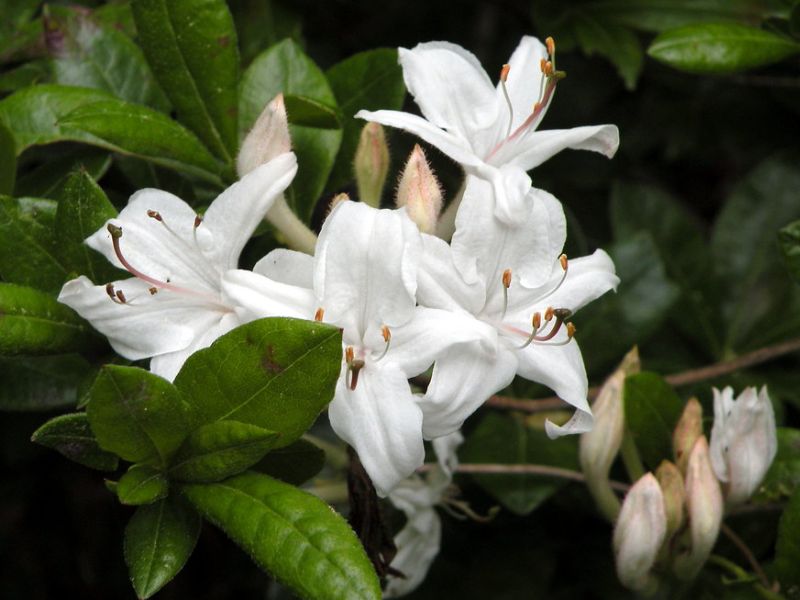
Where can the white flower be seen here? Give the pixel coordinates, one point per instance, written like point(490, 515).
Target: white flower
point(492, 135)
point(174, 304)
point(418, 542)
point(743, 441)
point(521, 295)
point(363, 278)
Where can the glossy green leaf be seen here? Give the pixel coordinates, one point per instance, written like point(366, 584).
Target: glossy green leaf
point(310, 113)
point(296, 463)
point(783, 476)
point(285, 68)
point(159, 539)
point(20, 38)
point(87, 53)
point(137, 415)
point(274, 373)
point(41, 383)
point(8, 161)
point(32, 322)
point(789, 238)
point(71, 436)
point(219, 450)
point(263, 23)
point(371, 80)
point(652, 409)
point(29, 73)
point(787, 548)
point(720, 48)
point(293, 535)
point(614, 42)
point(505, 439)
point(192, 48)
point(49, 179)
point(142, 484)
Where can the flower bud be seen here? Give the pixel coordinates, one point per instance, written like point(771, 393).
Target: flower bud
point(671, 481)
point(687, 432)
point(704, 508)
point(419, 192)
point(268, 138)
point(371, 164)
point(639, 534)
point(743, 441)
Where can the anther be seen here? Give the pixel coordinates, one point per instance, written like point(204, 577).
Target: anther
point(197, 221)
point(116, 232)
point(319, 315)
point(563, 260)
point(355, 369)
point(548, 314)
point(504, 72)
point(506, 284)
point(111, 293)
point(154, 214)
point(121, 297)
point(153, 290)
point(387, 337)
point(565, 267)
point(551, 46)
point(536, 321)
point(348, 355)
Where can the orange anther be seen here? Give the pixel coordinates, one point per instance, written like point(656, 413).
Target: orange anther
point(504, 72)
point(387, 335)
point(563, 260)
point(319, 315)
point(507, 278)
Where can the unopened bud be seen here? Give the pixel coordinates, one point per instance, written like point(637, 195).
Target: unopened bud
point(639, 534)
point(743, 441)
point(671, 481)
point(687, 432)
point(371, 164)
point(268, 138)
point(419, 192)
point(337, 200)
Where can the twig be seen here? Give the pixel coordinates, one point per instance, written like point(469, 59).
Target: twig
point(747, 553)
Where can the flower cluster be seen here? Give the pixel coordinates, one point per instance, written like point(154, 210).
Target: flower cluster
point(493, 303)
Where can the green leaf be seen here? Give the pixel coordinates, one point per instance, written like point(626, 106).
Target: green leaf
point(29, 73)
point(787, 547)
point(285, 68)
point(293, 535)
point(83, 209)
point(720, 48)
point(263, 23)
point(142, 484)
point(505, 439)
point(8, 161)
point(311, 113)
point(274, 373)
point(789, 238)
point(159, 539)
point(49, 179)
point(652, 409)
point(32, 322)
point(89, 54)
point(783, 477)
point(219, 450)
point(371, 80)
point(613, 41)
point(137, 415)
point(41, 383)
point(296, 463)
point(71, 436)
point(191, 46)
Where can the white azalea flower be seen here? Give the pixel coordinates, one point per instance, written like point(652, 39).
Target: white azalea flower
point(174, 305)
point(522, 295)
point(743, 441)
point(490, 130)
point(363, 278)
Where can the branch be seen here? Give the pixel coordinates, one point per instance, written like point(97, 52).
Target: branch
point(747, 553)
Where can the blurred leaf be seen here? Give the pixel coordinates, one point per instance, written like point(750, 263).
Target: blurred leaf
point(285, 68)
point(614, 42)
point(41, 383)
point(787, 547)
point(192, 48)
point(371, 80)
point(505, 439)
point(32, 322)
point(263, 23)
point(293, 535)
point(310, 113)
point(8, 161)
point(21, 40)
point(275, 373)
point(783, 477)
point(296, 463)
point(219, 450)
point(89, 54)
point(142, 484)
point(136, 415)
point(652, 409)
point(28, 73)
point(71, 436)
point(789, 238)
point(720, 48)
point(49, 178)
point(159, 539)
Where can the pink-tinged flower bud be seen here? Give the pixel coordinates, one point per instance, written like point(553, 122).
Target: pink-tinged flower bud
point(671, 481)
point(743, 441)
point(600, 445)
point(268, 138)
point(704, 511)
point(419, 192)
point(687, 432)
point(371, 164)
point(639, 534)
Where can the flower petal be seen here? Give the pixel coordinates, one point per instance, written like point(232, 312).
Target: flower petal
point(417, 545)
point(535, 147)
point(440, 285)
point(382, 422)
point(256, 296)
point(524, 78)
point(287, 266)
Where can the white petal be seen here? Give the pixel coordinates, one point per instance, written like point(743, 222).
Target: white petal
point(535, 147)
point(417, 545)
point(440, 285)
point(524, 78)
point(445, 448)
point(237, 211)
point(287, 266)
point(382, 422)
point(462, 381)
point(257, 296)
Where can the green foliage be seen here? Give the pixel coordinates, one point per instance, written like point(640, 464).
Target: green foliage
point(290, 533)
point(8, 161)
point(787, 548)
point(72, 436)
point(311, 113)
point(296, 463)
point(789, 238)
point(783, 477)
point(652, 409)
point(142, 484)
point(41, 383)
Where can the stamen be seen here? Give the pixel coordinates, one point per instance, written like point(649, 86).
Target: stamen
point(198, 220)
point(548, 314)
point(348, 354)
point(121, 297)
point(536, 322)
point(503, 78)
point(319, 315)
point(153, 291)
point(506, 285)
point(112, 293)
point(387, 337)
point(565, 266)
point(154, 214)
point(551, 46)
point(355, 369)
point(561, 315)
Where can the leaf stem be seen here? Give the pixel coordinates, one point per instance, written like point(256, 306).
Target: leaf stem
point(743, 576)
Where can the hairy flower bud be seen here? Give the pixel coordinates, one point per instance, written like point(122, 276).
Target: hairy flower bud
point(687, 432)
point(371, 164)
point(268, 138)
point(419, 192)
point(639, 534)
point(743, 441)
point(671, 482)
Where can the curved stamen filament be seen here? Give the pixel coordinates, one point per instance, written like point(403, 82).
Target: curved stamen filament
point(506, 284)
point(560, 314)
point(387, 337)
point(565, 266)
point(503, 78)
